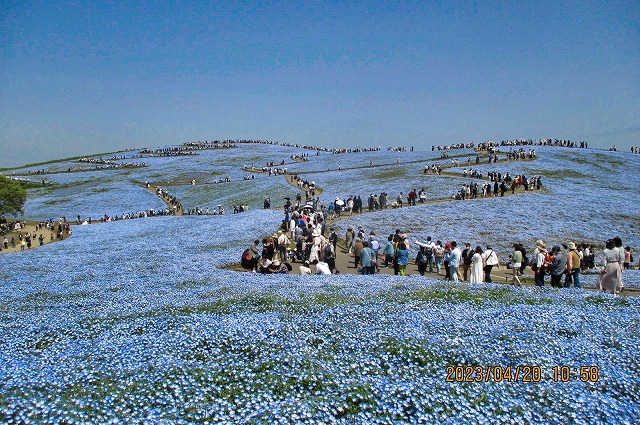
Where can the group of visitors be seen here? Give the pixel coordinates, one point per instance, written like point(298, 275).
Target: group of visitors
point(530, 142)
point(219, 210)
point(26, 239)
point(474, 265)
point(174, 203)
point(182, 151)
point(111, 162)
point(301, 237)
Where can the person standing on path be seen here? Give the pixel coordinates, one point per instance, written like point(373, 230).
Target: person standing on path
point(438, 255)
point(403, 258)
point(356, 252)
point(539, 258)
point(366, 258)
point(558, 266)
point(467, 258)
point(491, 260)
point(421, 260)
point(389, 251)
point(454, 261)
point(573, 266)
point(283, 244)
point(348, 239)
point(516, 259)
point(476, 266)
point(329, 256)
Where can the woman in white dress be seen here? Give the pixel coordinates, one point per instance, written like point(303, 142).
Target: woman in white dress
point(611, 274)
point(476, 266)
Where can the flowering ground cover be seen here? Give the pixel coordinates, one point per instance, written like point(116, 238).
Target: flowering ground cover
point(136, 321)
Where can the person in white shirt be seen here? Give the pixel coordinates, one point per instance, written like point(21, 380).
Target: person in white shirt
point(321, 267)
point(283, 243)
point(490, 259)
point(305, 269)
point(429, 245)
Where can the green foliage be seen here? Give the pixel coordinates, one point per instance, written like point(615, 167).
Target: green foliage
point(12, 197)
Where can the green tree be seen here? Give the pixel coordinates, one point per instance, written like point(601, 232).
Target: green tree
point(12, 196)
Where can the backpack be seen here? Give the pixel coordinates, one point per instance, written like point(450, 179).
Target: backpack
point(428, 251)
point(328, 251)
point(533, 264)
point(420, 258)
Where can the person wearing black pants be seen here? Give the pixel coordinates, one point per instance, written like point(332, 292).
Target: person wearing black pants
point(490, 260)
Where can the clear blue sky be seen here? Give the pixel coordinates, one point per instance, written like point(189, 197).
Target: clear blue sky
point(81, 78)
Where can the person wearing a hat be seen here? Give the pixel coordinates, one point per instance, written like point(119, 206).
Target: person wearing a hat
point(538, 260)
point(573, 266)
point(348, 239)
point(305, 269)
point(558, 266)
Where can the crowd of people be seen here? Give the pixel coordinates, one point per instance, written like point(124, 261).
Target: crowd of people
point(497, 186)
point(303, 238)
point(172, 201)
point(219, 210)
point(26, 239)
point(111, 162)
point(485, 146)
point(168, 152)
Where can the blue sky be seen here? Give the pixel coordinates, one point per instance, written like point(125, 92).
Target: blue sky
point(81, 78)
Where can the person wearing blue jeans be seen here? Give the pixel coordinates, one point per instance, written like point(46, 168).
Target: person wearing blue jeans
point(573, 267)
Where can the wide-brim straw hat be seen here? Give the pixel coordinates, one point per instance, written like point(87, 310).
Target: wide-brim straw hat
point(571, 245)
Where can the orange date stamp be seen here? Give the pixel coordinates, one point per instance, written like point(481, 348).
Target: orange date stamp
point(521, 373)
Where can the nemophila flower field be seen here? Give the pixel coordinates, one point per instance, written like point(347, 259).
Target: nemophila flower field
point(391, 179)
point(136, 321)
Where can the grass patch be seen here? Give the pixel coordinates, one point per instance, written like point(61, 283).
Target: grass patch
point(565, 174)
point(390, 173)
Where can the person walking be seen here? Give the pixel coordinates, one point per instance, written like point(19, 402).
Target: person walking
point(348, 239)
point(403, 258)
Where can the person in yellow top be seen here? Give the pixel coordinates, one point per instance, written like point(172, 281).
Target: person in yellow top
point(573, 266)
